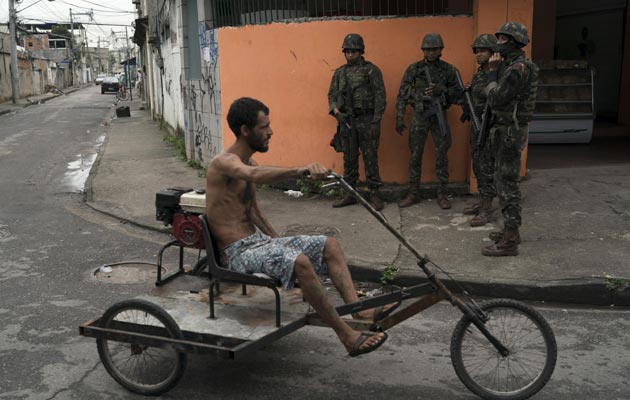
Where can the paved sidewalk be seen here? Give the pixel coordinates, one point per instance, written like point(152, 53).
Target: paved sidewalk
point(576, 231)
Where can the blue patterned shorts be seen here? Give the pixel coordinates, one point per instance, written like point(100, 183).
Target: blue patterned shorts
point(259, 253)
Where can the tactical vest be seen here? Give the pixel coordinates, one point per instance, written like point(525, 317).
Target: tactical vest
point(521, 108)
point(357, 87)
point(438, 70)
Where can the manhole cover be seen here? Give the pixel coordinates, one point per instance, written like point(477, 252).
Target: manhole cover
point(294, 230)
point(125, 274)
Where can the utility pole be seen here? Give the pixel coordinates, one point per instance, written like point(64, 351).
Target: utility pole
point(15, 80)
point(72, 47)
point(98, 54)
point(91, 14)
point(128, 56)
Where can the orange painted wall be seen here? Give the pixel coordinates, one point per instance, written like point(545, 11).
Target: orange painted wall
point(289, 68)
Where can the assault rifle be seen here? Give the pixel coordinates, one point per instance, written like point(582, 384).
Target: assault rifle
point(486, 119)
point(469, 109)
point(436, 103)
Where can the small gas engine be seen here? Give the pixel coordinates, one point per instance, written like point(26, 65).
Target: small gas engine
point(181, 207)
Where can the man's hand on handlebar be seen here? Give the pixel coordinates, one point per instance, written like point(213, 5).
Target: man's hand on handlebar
point(315, 171)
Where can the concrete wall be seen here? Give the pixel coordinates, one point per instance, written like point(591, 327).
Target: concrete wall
point(202, 97)
point(34, 75)
point(169, 85)
point(544, 30)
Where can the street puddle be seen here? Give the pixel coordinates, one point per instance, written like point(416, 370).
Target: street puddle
point(79, 170)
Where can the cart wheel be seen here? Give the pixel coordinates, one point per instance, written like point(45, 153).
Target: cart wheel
point(200, 266)
point(141, 368)
point(529, 339)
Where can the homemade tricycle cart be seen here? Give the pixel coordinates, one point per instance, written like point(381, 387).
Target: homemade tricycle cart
point(500, 349)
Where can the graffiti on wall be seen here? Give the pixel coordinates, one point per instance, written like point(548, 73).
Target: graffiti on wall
point(202, 101)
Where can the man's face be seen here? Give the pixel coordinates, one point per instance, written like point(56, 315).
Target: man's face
point(260, 134)
point(482, 55)
point(432, 53)
point(352, 55)
point(505, 44)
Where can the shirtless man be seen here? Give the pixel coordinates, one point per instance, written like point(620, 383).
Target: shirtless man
point(233, 215)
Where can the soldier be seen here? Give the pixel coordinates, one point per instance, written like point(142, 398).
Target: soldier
point(482, 158)
point(429, 101)
point(356, 98)
point(512, 92)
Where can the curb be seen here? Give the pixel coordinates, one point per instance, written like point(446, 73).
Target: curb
point(586, 291)
point(88, 192)
point(126, 220)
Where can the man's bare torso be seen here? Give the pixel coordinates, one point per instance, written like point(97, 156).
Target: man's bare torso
point(229, 206)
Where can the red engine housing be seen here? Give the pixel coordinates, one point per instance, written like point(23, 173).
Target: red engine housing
point(187, 229)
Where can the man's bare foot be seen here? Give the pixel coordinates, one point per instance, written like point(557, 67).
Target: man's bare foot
point(376, 314)
point(364, 342)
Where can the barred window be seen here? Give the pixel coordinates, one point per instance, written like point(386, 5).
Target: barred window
point(248, 12)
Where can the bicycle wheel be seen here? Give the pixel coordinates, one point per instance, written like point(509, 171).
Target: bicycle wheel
point(140, 368)
point(529, 339)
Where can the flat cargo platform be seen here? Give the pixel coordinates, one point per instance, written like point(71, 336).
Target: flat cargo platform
point(246, 317)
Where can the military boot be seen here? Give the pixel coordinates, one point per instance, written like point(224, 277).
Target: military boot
point(497, 236)
point(505, 247)
point(442, 198)
point(485, 213)
point(411, 199)
point(473, 208)
point(375, 200)
point(348, 200)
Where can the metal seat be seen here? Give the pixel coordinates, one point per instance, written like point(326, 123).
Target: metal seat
point(219, 274)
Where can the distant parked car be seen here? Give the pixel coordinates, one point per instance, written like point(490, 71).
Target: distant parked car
point(110, 84)
point(99, 79)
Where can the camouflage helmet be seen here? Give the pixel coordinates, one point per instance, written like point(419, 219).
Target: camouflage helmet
point(432, 40)
point(353, 41)
point(516, 31)
point(485, 41)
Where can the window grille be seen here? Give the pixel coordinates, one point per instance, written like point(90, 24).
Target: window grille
point(250, 12)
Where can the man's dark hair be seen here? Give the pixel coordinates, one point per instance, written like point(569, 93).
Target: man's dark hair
point(244, 111)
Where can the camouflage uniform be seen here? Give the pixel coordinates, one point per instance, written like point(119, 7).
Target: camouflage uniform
point(359, 92)
point(512, 91)
point(412, 87)
point(482, 158)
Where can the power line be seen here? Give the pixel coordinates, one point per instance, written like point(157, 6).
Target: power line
point(52, 11)
point(29, 6)
point(101, 5)
point(82, 23)
point(107, 9)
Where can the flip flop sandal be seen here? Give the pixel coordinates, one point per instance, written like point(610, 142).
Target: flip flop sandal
point(356, 348)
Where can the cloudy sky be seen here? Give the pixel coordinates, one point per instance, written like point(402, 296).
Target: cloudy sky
point(116, 12)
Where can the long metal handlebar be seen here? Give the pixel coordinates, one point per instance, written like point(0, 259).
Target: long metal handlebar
point(473, 311)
